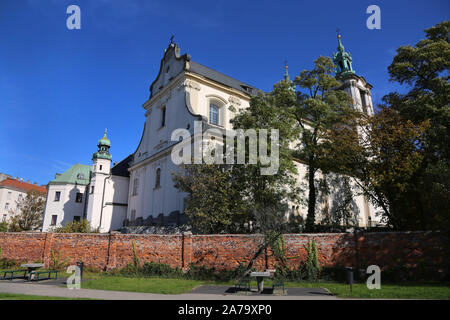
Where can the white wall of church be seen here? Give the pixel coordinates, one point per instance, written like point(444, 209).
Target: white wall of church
point(153, 152)
point(114, 203)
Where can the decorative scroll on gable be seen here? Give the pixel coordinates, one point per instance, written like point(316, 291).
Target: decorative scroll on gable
point(172, 64)
point(189, 84)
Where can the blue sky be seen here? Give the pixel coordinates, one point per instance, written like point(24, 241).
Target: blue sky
point(60, 88)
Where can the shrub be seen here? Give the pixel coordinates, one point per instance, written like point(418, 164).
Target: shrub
point(311, 266)
point(3, 226)
point(160, 270)
point(8, 263)
point(82, 226)
point(57, 264)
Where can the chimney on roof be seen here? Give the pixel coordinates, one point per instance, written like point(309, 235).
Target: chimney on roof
point(21, 179)
point(28, 181)
point(35, 183)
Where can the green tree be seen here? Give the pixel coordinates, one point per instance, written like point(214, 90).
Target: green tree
point(270, 111)
point(382, 153)
point(424, 68)
point(28, 213)
point(215, 201)
point(318, 109)
point(222, 198)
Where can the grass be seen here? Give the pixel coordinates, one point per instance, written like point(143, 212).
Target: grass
point(392, 291)
point(149, 285)
point(13, 296)
point(177, 286)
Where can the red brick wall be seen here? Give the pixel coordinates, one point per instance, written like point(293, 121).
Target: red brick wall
point(108, 251)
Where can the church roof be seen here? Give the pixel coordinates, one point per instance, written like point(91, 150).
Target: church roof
point(222, 78)
point(77, 174)
point(121, 169)
point(173, 63)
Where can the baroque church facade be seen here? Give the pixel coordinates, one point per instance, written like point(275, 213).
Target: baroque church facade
point(139, 190)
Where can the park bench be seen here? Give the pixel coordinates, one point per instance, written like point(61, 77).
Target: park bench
point(37, 275)
point(278, 283)
point(10, 274)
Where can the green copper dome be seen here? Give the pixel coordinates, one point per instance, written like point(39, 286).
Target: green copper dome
point(103, 148)
point(104, 141)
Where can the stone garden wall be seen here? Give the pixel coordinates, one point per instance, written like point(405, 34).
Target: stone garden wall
point(108, 251)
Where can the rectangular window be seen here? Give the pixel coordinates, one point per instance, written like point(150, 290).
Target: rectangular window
point(135, 186)
point(92, 189)
point(7, 206)
point(101, 167)
point(54, 217)
point(214, 114)
point(79, 197)
point(4, 218)
point(57, 195)
point(363, 98)
point(133, 215)
point(76, 219)
point(163, 116)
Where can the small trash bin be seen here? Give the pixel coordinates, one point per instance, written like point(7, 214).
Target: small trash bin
point(80, 265)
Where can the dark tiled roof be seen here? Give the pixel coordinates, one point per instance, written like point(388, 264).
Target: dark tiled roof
point(121, 169)
point(221, 78)
point(24, 186)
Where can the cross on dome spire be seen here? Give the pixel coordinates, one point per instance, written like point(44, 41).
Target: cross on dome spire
point(286, 74)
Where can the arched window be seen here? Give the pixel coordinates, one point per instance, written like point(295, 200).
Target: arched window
point(216, 110)
point(158, 178)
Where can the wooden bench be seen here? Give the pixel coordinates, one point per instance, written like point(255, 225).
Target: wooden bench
point(12, 276)
point(37, 275)
point(243, 283)
point(278, 283)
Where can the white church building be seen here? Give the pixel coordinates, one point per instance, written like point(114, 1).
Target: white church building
point(139, 189)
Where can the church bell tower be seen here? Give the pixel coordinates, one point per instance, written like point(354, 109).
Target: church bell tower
point(101, 170)
point(356, 86)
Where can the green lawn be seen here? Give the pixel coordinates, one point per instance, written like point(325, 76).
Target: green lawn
point(177, 286)
point(387, 291)
point(13, 296)
point(150, 285)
